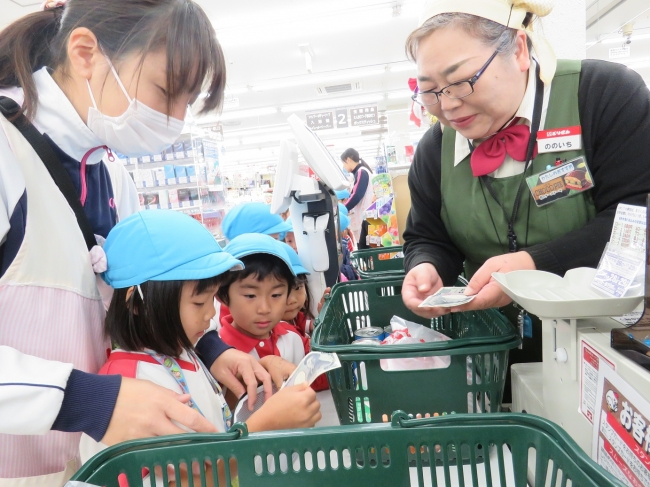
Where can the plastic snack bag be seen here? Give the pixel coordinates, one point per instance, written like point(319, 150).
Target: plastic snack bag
point(406, 332)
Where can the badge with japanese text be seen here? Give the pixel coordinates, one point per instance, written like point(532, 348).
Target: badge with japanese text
point(621, 431)
point(567, 179)
point(559, 139)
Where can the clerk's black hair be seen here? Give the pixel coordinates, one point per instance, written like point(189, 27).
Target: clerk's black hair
point(134, 325)
point(261, 266)
point(354, 155)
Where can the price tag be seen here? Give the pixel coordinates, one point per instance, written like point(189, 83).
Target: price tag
point(559, 139)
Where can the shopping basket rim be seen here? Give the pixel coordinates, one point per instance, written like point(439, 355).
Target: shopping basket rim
point(482, 423)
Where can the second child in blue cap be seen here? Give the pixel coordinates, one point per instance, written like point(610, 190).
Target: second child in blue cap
point(253, 218)
point(162, 305)
point(257, 300)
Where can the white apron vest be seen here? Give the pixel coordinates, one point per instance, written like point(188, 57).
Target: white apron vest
point(50, 308)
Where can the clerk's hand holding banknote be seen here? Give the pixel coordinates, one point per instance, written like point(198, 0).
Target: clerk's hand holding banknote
point(423, 282)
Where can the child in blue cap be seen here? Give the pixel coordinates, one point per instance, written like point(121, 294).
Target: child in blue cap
point(253, 218)
point(162, 304)
point(297, 314)
point(257, 300)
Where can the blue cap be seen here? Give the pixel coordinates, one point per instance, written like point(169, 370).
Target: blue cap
point(344, 221)
point(296, 264)
point(342, 194)
point(252, 218)
point(343, 210)
point(256, 243)
point(162, 245)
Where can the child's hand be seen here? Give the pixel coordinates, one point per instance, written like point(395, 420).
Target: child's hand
point(292, 407)
point(279, 368)
point(321, 303)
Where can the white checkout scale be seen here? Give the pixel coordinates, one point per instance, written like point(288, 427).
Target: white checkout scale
point(577, 328)
point(313, 205)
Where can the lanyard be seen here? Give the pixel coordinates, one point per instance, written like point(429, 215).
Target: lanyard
point(534, 127)
point(176, 372)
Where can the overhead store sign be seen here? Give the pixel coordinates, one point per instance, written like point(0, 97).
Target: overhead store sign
point(320, 120)
point(360, 117)
point(619, 52)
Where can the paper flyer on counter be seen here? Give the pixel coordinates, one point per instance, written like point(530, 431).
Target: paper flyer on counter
point(621, 433)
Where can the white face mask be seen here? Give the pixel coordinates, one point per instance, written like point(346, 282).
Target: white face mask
point(139, 131)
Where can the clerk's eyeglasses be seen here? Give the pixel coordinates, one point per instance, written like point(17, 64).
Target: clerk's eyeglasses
point(454, 91)
point(459, 89)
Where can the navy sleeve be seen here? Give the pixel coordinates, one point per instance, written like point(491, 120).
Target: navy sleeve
point(209, 347)
point(360, 187)
point(88, 404)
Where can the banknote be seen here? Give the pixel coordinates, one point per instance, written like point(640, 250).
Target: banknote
point(447, 297)
point(311, 366)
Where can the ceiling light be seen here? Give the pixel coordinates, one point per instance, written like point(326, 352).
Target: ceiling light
point(234, 115)
point(397, 95)
point(334, 102)
point(236, 91)
point(621, 40)
point(325, 78)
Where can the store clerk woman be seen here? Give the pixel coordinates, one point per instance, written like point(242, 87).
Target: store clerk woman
point(77, 70)
point(361, 195)
point(464, 180)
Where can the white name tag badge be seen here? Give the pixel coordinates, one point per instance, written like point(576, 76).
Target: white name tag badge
point(559, 139)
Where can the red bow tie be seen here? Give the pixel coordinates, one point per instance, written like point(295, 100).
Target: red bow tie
point(489, 155)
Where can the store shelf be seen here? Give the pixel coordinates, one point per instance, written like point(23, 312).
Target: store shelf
point(158, 164)
point(170, 185)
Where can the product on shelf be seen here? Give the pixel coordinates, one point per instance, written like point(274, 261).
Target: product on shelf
point(189, 149)
point(180, 172)
point(141, 198)
point(146, 176)
point(168, 154)
point(151, 199)
point(194, 194)
point(191, 173)
point(163, 197)
point(159, 175)
point(179, 150)
point(173, 197)
point(169, 171)
point(183, 195)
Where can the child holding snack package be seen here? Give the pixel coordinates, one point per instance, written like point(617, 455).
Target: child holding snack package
point(163, 303)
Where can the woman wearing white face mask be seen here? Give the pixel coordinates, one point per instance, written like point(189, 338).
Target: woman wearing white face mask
point(91, 76)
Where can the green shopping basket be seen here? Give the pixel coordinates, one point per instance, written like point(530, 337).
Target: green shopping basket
point(364, 392)
point(500, 450)
point(378, 262)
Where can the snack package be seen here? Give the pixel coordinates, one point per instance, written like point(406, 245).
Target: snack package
point(406, 332)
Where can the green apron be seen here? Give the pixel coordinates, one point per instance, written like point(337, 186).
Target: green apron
point(475, 222)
